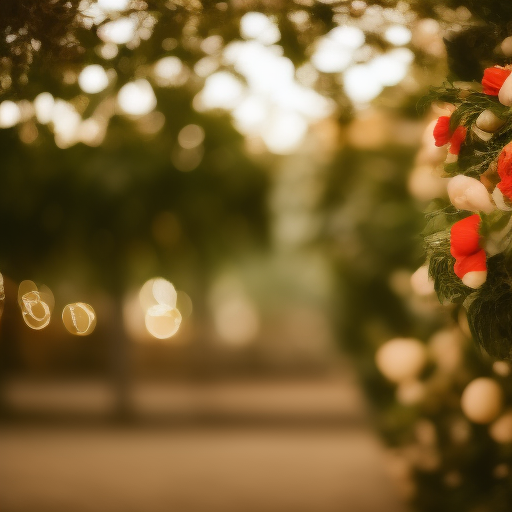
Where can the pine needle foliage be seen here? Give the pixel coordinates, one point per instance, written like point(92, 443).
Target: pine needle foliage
point(489, 308)
point(448, 286)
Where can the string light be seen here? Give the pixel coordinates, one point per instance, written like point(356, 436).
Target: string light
point(79, 318)
point(36, 306)
point(162, 321)
point(157, 297)
point(158, 301)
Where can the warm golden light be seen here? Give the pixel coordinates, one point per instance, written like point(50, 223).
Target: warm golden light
point(162, 321)
point(191, 136)
point(157, 291)
point(79, 318)
point(256, 25)
point(25, 287)
point(120, 31)
point(35, 311)
point(158, 299)
point(236, 320)
point(9, 114)
point(184, 304)
point(93, 79)
point(137, 98)
point(36, 306)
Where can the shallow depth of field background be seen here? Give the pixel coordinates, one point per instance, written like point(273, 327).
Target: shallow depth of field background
point(261, 156)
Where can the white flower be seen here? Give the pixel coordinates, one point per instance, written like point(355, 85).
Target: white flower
point(488, 121)
point(469, 194)
point(499, 199)
point(505, 94)
point(475, 278)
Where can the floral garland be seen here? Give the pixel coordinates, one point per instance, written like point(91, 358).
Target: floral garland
point(469, 242)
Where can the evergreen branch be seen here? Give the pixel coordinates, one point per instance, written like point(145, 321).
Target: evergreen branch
point(440, 268)
point(490, 311)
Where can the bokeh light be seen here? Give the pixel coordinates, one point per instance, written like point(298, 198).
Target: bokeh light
point(236, 318)
point(9, 114)
point(157, 291)
point(36, 307)
point(236, 321)
point(43, 104)
point(398, 35)
point(93, 79)
point(221, 90)
point(79, 318)
point(137, 98)
point(170, 72)
point(162, 321)
point(256, 25)
point(334, 52)
point(184, 304)
point(360, 84)
point(190, 136)
point(273, 106)
point(114, 5)
point(158, 301)
point(120, 31)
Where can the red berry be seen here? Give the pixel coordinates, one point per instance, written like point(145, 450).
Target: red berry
point(464, 239)
point(493, 80)
point(472, 263)
point(458, 137)
point(442, 131)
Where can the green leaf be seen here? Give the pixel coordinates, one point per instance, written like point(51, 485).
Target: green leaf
point(442, 219)
point(492, 222)
point(490, 311)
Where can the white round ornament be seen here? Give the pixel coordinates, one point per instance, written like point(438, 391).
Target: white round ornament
point(505, 94)
point(501, 429)
point(424, 184)
point(488, 121)
point(475, 278)
point(506, 46)
point(410, 392)
point(421, 283)
point(482, 400)
point(401, 359)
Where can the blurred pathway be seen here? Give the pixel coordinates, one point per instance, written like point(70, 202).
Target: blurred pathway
point(297, 466)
